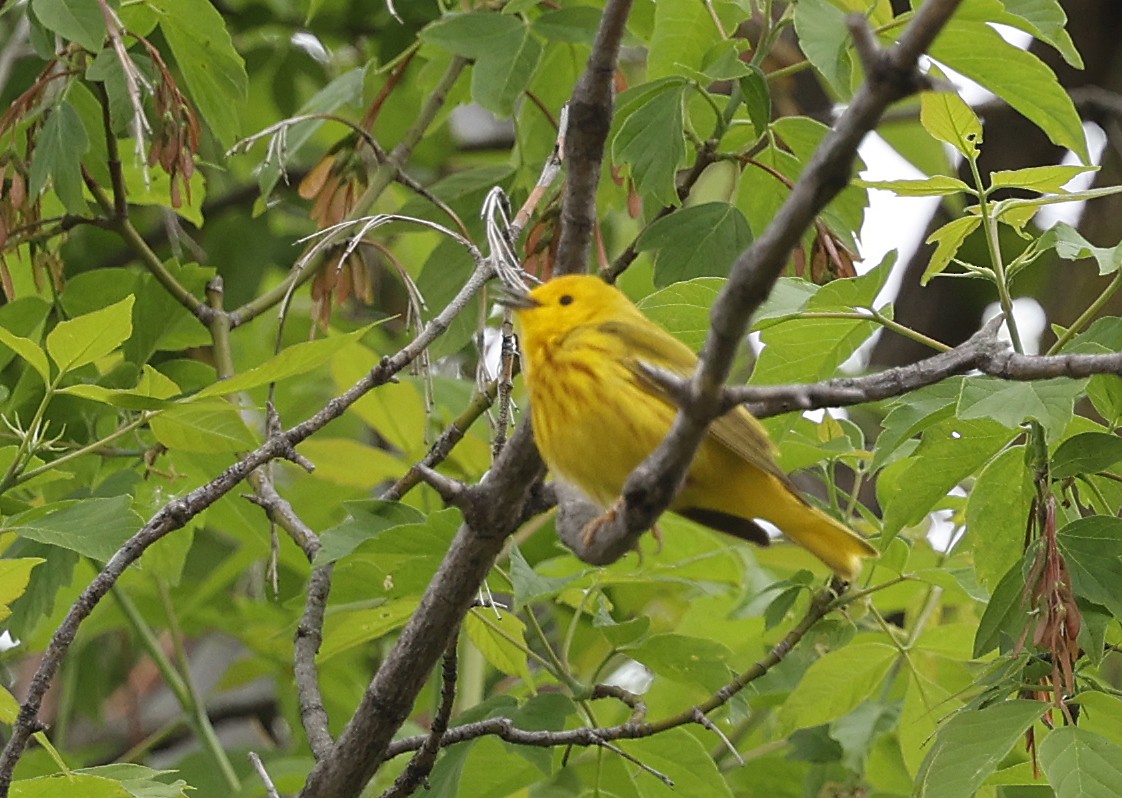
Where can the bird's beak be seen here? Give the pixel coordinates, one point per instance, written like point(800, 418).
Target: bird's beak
point(515, 300)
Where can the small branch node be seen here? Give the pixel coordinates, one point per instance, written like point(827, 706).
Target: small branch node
point(865, 43)
point(452, 491)
point(638, 705)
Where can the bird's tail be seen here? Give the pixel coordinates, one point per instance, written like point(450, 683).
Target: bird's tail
point(830, 541)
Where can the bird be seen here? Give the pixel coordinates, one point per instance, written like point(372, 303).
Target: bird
point(586, 353)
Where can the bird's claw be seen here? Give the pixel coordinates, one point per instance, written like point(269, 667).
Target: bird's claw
point(593, 527)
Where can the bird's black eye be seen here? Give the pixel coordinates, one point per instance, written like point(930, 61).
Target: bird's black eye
point(566, 299)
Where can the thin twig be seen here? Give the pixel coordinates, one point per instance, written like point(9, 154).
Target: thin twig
point(419, 767)
point(259, 766)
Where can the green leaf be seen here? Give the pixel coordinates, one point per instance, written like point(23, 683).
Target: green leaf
point(475, 35)
point(1005, 614)
point(14, 576)
point(150, 392)
point(723, 61)
point(777, 610)
point(505, 52)
point(625, 632)
point(909, 417)
point(934, 186)
point(683, 33)
point(683, 759)
point(500, 637)
point(528, 584)
point(573, 25)
point(858, 731)
point(80, 21)
point(87, 338)
point(650, 141)
point(1092, 548)
point(757, 98)
point(69, 784)
point(697, 241)
point(140, 781)
point(9, 707)
point(970, 746)
point(835, 684)
point(146, 186)
point(684, 658)
point(203, 427)
point(1070, 245)
point(1044, 19)
point(949, 453)
point(399, 562)
point(58, 155)
point(214, 72)
point(395, 410)
point(682, 309)
point(20, 318)
point(1101, 714)
point(1050, 402)
point(1042, 179)
point(806, 350)
point(1081, 764)
point(345, 629)
point(803, 136)
point(1016, 76)
point(160, 323)
point(1086, 453)
point(948, 118)
point(94, 528)
point(344, 461)
point(29, 351)
point(824, 38)
point(498, 80)
point(947, 240)
point(368, 519)
point(997, 514)
point(290, 362)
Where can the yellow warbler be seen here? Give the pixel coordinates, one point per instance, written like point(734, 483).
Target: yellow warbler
point(596, 416)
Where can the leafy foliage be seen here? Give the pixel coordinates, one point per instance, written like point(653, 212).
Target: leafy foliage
point(174, 292)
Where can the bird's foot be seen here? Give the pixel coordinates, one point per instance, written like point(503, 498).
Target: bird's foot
point(593, 527)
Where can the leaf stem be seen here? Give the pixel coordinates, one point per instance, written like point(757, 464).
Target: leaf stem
point(179, 683)
point(1087, 315)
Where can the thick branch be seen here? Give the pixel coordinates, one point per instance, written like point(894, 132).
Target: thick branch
point(590, 116)
point(385, 705)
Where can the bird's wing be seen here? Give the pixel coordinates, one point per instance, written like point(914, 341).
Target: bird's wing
point(737, 430)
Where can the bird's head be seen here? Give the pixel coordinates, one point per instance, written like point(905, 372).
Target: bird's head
point(563, 303)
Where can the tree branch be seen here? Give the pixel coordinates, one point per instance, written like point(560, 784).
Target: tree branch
point(590, 116)
point(419, 767)
point(823, 602)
